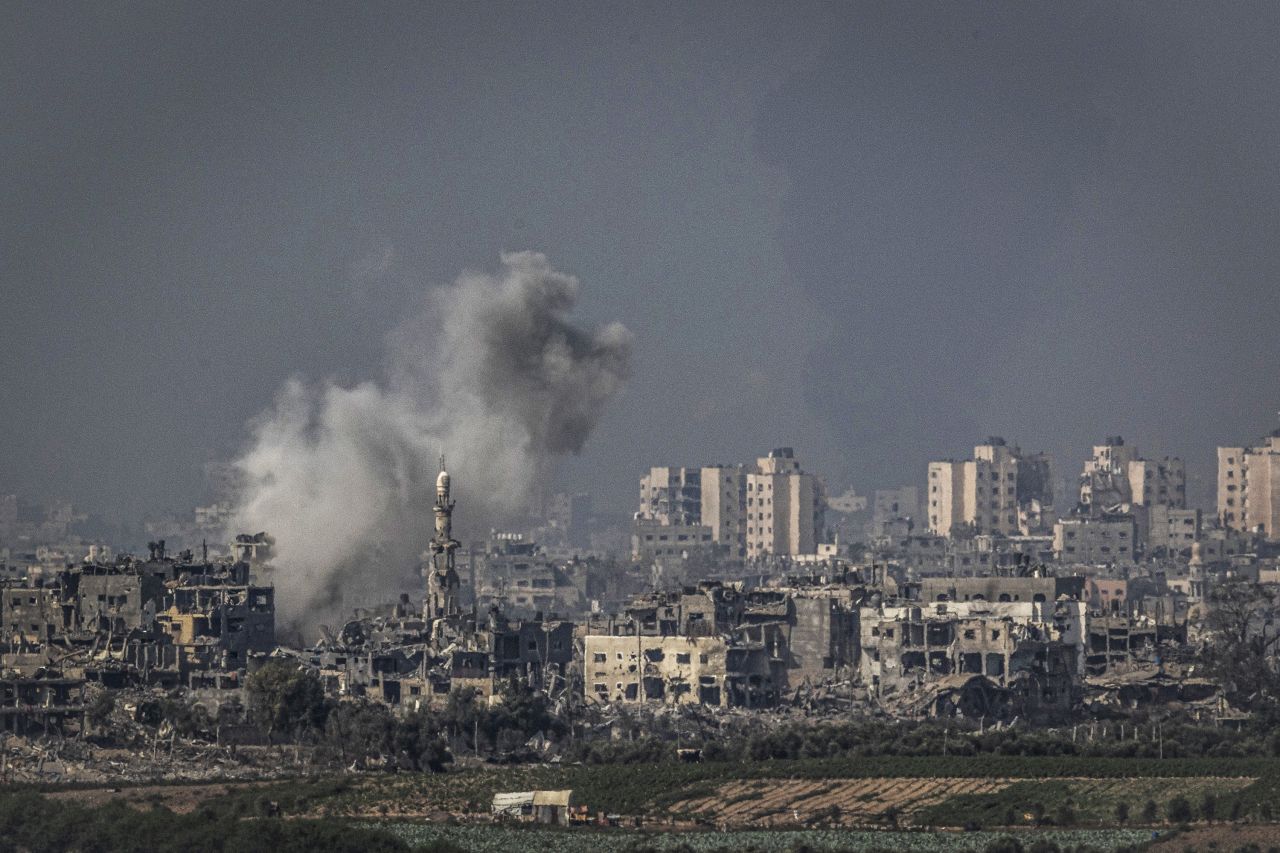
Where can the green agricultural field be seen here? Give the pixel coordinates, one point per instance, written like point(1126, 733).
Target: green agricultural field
point(1076, 802)
point(848, 804)
point(502, 839)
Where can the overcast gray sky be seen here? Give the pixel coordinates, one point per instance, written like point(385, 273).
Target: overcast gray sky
point(875, 232)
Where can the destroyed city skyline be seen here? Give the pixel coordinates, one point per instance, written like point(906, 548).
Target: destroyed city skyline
point(877, 232)
point(705, 426)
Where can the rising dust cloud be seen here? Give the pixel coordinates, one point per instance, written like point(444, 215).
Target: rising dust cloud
point(492, 372)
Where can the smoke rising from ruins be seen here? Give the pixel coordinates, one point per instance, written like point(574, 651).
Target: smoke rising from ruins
point(492, 371)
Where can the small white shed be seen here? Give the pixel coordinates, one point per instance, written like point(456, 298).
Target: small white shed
point(534, 806)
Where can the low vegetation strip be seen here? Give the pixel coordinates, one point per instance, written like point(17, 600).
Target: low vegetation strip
point(28, 824)
point(501, 839)
point(1068, 802)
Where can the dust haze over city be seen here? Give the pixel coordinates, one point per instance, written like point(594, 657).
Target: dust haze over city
point(490, 369)
point(941, 341)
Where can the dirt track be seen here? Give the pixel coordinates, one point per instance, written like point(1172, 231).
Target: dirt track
point(1221, 837)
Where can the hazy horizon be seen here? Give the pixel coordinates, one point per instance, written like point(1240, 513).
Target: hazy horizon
point(877, 233)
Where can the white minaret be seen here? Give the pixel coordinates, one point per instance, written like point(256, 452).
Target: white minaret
point(442, 578)
point(444, 506)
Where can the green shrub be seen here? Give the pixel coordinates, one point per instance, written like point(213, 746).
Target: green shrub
point(1178, 810)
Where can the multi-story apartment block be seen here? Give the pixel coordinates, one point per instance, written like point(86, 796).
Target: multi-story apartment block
point(1172, 530)
point(1159, 483)
point(572, 514)
point(979, 495)
point(1102, 539)
point(772, 508)
point(162, 620)
point(1118, 478)
point(1249, 487)
point(1104, 482)
point(1025, 636)
point(714, 645)
point(671, 495)
point(724, 502)
point(784, 507)
point(653, 541)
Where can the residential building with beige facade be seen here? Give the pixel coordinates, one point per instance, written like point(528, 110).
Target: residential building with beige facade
point(1159, 482)
point(771, 508)
point(1249, 487)
point(1095, 540)
point(784, 507)
point(724, 501)
point(978, 495)
point(672, 670)
point(651, 540)
point(1172, 530)
point(671, 495)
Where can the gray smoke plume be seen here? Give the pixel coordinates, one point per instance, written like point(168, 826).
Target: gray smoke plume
point(491, 372)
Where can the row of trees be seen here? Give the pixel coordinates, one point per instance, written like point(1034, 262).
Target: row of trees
point(29, 823)
point(1239, 650)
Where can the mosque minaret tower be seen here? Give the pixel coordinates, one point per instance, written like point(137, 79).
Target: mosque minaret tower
point(442, 577)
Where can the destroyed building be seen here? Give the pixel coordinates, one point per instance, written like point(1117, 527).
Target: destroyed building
point(1004, 658)
point(811, 626)
point(1116, 478)
point(678, 648)
point(1035, 588)
point(400, 662)
point(160, 620)
point(719, 645)
point(39, 704)
point(518, 577)
point(213, 621)
point(1002, 646)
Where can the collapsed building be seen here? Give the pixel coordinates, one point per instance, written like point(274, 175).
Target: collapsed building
point(161, 621)
point(515, 575)
point(995, 647)
point(995, 659)
point(40, 703)
point(213, 622)
point(678, 648)
point(726, 646)
point(1130, 641)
